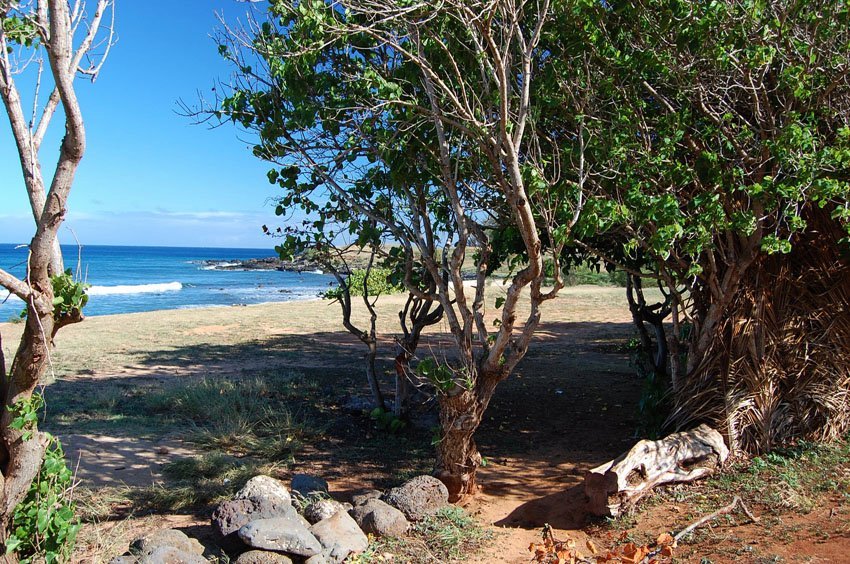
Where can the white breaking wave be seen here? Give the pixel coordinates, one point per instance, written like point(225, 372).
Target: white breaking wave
point(220, 265)
point(135, 289)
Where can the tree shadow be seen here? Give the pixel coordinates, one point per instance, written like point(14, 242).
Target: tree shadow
point(571, 405)
point(565, 510)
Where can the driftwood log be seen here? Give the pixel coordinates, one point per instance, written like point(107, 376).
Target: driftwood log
point(680, 457)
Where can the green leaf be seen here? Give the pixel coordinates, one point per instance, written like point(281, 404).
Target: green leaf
point(12, 544)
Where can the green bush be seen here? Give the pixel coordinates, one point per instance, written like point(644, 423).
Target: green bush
point(387, 421)
point(378, 284)
point(583, 274)
point(44, 526)
point(69, 294)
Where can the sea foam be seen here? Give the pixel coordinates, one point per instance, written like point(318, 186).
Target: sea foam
point(135, 289)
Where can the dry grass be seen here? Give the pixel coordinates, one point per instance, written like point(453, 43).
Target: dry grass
point(777, 369)
point(180, 340)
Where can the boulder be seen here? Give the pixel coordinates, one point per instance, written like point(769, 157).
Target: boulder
point(358, 404)
point(418, 497)
point(306, 485)
point(230, 516)
point(380, 519)
point(166, 537)
point(340, 536)
point(125, 559)
point(320, 509)
point(364, 496)
point(263, 557)
point(285, 534)
point(264, 487)
point(171, 555)
point(318, 559)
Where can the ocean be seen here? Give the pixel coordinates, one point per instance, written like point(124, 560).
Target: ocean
point(134, 279)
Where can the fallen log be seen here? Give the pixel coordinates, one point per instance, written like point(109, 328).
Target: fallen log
point(681, 457)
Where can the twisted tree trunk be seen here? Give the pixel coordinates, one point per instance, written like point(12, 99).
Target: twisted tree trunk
point(461, 413)
point(414, 318)
point(22, 450)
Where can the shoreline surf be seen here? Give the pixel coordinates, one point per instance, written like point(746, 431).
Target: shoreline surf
point(136, 279)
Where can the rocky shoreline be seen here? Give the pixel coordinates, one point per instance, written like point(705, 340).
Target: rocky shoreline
point(268, 263)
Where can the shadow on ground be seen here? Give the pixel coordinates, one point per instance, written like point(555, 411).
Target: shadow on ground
point(570, 406)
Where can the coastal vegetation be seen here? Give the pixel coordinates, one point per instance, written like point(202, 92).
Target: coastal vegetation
point(455, 167)
point(547, 135)
point(116, 373)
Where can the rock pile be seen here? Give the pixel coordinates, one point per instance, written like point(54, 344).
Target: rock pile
point(268, 523)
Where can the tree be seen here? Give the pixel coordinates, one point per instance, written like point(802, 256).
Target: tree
point(67, 41)
point(350, 284)
point(420, 117)
point(331, 235)
point(725, 169)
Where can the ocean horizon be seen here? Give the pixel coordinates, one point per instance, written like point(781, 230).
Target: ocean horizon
point(130, 279)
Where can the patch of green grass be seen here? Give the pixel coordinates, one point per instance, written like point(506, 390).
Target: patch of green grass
point(242, 426)
point(256, 416)
point(791, 478)
point(197, 482)
point(450, 535)
point(246, 417)
point(775, 485)
point(583, 274)
point(192, 483)
point(98, 505)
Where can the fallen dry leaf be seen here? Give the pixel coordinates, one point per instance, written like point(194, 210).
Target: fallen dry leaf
point(633, 553)
point(592, 547)
point(664, 539)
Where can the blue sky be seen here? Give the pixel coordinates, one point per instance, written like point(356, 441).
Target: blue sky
point(149, 176)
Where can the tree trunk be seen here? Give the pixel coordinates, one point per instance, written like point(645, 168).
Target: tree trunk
point(372, 375)
point(57, 262)
point(402, 385)
point(682, 457)
point(461, 413)
point(414, 318)
point(20, 460)
point(458, 458)
point(653, 315)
